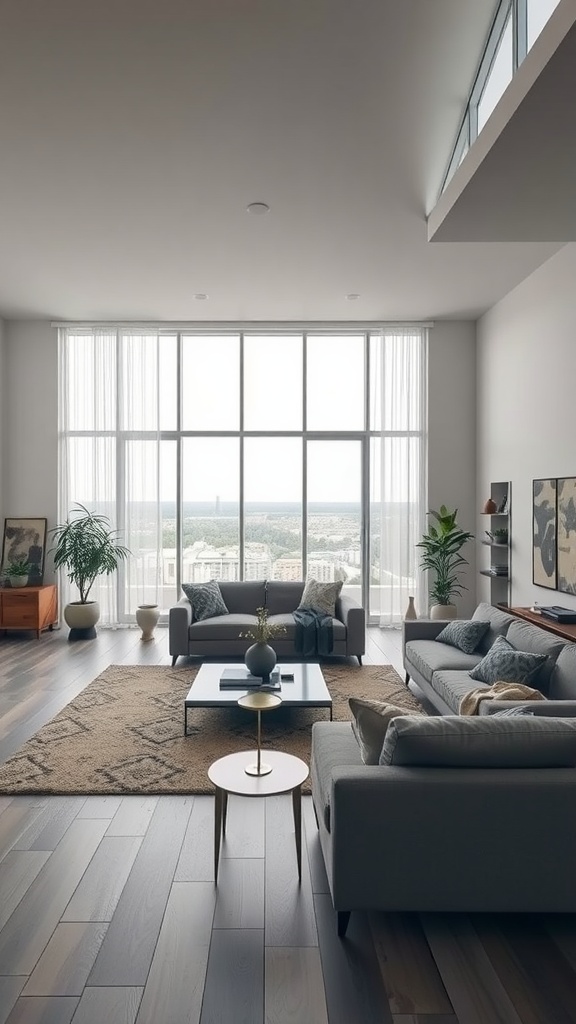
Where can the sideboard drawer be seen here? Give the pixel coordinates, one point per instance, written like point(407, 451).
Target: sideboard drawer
point(19, 615)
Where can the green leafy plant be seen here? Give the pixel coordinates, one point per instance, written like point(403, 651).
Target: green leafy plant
point(264, 630)
point(20, 567)
point(441, 554)
point(499, 536)
point(86, 547)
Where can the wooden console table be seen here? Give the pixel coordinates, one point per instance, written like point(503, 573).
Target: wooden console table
point(33, 608)
point(565, 630)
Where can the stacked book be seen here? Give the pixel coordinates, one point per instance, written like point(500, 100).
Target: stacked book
point(499, 570)
point(238, 678)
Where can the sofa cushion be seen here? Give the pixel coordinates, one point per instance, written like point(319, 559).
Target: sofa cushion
point(369, 725)
point(321, 597)
point(563, 679)
point(484, 742)
point(453, 685)
point(223, 627)
point(206, 600)
point(465, 634)
point(283, 596)
point(525, 637)
point(499, 624)
point(428, 656)
point(244, 597)
point(333, 746)
point(504, 663)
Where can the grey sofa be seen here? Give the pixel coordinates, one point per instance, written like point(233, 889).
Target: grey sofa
point(441, 671)
point(220, 635)
point(487, 832)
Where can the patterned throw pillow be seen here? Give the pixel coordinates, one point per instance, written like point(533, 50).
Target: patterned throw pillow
point(465, 634)
point(504, 663)
point(369, 725)
point(321, 597)
point(512, 712)
point(206, 600)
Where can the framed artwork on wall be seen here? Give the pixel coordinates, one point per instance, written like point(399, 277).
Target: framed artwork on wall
point(544, 567)
point(566, 534)
point(25, 540)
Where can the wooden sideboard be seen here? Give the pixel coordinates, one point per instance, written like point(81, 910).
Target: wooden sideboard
point(567, 630)
point(33, 608)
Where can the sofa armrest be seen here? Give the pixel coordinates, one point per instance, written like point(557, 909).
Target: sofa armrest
point(179, 619)
point(354, 618)
point(551, 708)
point(421, 629)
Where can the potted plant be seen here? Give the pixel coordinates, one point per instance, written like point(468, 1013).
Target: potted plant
point(17, 572)
point(498, 536)
point(260, 658)
point(85, 547)
point(441, 554)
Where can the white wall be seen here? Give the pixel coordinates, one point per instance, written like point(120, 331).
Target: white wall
point(3, 390)
point(526, 352)
point(30, 423)
point(452, 435)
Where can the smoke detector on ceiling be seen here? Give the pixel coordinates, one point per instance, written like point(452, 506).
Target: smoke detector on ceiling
point(258, 209)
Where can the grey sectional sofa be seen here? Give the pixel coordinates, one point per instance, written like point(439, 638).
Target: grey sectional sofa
point(486, 830)
point(441, 671)
point(220, 635)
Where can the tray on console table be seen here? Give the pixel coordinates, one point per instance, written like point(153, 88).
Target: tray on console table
point(33, 608)
point(566, 630)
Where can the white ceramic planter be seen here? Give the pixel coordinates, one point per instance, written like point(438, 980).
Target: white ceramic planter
point(82, 619)
point(443, 611)
point(147, 616)
point(18, 581)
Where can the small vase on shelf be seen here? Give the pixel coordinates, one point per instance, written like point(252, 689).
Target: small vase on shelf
point(489, 507)
point(411, 611)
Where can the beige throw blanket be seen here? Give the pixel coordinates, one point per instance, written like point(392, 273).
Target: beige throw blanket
point(470, 703)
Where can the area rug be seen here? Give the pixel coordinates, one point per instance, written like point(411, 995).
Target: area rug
point(124, 733)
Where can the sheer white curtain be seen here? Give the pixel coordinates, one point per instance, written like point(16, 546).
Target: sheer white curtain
point(109, 387)
point(398, 363)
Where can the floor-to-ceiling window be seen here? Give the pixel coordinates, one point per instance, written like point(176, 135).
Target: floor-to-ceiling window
point(249, 454)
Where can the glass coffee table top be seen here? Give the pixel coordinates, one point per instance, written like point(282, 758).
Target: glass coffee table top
point(306, 689)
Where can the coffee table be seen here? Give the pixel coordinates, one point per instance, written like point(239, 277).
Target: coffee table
point(229, 776)
point(306, 690)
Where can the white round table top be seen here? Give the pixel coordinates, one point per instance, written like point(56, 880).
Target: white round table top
point(287, 773)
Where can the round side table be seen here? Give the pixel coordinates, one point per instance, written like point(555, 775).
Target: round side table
point(228, 775)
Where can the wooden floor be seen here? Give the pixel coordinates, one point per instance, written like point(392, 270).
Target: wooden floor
point(109, 913)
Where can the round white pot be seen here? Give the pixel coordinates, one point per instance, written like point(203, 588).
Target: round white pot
point(18, 581)
point(147, 616)
point(82, 619)
point(443, 611)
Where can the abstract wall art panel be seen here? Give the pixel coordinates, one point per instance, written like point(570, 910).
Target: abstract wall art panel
point(566, 534)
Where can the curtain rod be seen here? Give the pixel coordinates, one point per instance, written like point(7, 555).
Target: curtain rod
point(246, 325)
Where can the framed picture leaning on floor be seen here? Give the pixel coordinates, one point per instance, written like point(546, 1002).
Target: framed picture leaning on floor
point(25, 540)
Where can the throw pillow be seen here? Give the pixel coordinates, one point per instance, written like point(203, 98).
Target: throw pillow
point(369, 724)
point(206, 600)
point(321, 597)
point(504, 662)
point(465, 634)
point(512, 712)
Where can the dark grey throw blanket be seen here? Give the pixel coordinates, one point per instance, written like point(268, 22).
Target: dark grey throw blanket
point(314, 633)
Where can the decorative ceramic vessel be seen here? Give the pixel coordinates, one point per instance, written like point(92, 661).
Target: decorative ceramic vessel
point(147, 616)
point(411, 611)
point(82, 619)
point(490, 507)
point(18, 581)
point(443, 611)
point(260, 659)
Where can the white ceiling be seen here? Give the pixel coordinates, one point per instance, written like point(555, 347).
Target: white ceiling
point(133, 133)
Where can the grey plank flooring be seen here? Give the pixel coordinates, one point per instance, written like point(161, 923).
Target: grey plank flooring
point(109, 912)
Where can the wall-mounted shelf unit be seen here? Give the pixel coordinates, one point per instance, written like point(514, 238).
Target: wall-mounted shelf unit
point(498, 567)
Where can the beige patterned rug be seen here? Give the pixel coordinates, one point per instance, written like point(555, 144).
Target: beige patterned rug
point(124, 732)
